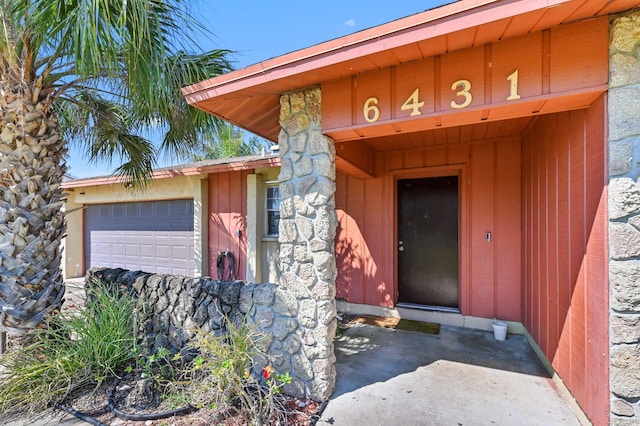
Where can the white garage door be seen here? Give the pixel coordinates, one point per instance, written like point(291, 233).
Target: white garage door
point(152, 236)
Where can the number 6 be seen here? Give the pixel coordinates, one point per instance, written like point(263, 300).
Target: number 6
point(370, 110)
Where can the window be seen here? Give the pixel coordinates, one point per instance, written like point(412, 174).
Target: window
point(273, 210)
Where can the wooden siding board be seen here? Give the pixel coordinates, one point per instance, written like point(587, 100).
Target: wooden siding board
point(394, 160)
point(523, 54)
point(374, 84)
point(411, 76)
point(552, 321)
point(543, 265)
point(573, 50)
point(213, 224)
point(336, 98)
point(596, 297)
point(413, 159)
point(508, 231)
point(356, 208)
point(458, 154)
point(526, 229)
point(468, 65)
point(343, 282)
point(482, 220)
point(562, 358)
point(350, 267)
point(227, 213)
point(377, 248)
point(436, 156)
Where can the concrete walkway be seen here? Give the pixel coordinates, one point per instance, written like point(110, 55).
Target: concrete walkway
point(459, 377)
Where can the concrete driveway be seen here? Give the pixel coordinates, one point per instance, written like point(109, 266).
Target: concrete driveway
point(458, 377)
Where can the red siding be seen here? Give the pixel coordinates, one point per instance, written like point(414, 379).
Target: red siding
point(564, 268)
point(227, 215)
point(489, 272)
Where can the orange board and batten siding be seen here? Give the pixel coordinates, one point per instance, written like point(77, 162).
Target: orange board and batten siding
point(490, 274)
point(228, 218)
point(547, 71)
point(565, 291)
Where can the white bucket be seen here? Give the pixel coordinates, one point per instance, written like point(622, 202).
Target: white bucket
point(500, 330)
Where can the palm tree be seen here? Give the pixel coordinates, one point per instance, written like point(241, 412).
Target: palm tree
point(98, 72)
point(228, 141)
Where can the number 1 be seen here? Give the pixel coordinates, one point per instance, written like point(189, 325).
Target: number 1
point(513, 91)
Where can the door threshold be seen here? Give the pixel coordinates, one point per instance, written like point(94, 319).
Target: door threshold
point(430, 308)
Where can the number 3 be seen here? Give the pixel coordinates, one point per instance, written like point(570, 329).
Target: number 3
point(466, 86)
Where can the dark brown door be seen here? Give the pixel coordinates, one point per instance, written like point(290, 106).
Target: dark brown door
point(428, 241)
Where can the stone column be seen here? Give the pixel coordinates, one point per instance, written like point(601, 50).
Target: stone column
point(307, 247)
point(624, 218)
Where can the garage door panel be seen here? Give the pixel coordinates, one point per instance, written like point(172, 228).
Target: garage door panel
point(132, 250)
point(105, 248)
point(162, 252)
point(146, 250)
point(149, 236)
point(179, 252)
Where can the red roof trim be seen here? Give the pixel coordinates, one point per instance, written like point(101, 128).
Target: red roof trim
point(454, 17)
point(188, 170)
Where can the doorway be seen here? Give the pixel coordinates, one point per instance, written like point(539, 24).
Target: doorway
point(428, 243)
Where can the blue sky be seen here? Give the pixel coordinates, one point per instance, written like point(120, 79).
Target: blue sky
point(258, 30)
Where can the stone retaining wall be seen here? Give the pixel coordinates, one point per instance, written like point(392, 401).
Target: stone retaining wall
point(175, 307)
point(624, 218)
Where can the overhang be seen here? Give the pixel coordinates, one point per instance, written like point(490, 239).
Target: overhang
point(250, 97)
point(199, 168)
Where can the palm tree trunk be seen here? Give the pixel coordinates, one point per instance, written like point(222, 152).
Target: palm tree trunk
point(32, 222)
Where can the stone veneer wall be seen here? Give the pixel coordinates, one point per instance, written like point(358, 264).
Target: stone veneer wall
point(174, 307)
point(307, 233)
point(624, 218)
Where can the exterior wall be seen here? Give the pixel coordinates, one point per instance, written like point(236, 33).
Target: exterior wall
point(624, 218)
point(159, 189)
point(490, 201)
point(307, 241)
point(263, 263)
point(565, 296)
point(228, 219)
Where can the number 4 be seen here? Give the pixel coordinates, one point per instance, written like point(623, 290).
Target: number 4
point(413, 103)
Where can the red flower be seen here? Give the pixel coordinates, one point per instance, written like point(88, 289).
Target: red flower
point(267, 371)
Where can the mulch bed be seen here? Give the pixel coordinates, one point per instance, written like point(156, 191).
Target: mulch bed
point(94, 404)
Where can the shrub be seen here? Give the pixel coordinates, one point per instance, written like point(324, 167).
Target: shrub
point(74, 349)
point(222, 376)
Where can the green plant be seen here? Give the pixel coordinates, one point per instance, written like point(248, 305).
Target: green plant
point(221, 375)
point(74, 349)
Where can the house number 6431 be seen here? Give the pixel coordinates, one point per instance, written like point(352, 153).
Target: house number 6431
point(413, 103)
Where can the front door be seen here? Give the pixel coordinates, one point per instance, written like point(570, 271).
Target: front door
point(428, 242)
